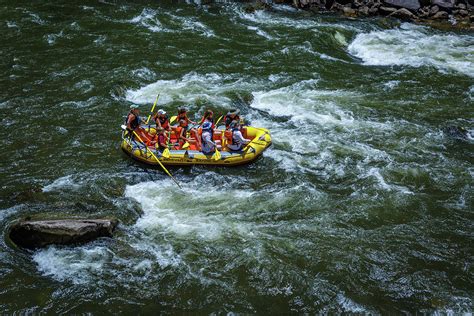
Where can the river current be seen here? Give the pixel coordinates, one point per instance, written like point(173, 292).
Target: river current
point(363, 204)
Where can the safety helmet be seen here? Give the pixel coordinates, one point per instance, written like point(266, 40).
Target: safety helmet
point(206, 125)
point(133, 107)
point(161, 112)
point(234, 112)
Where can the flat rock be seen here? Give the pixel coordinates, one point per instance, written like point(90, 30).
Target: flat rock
point(407, 4)
point(37, 234)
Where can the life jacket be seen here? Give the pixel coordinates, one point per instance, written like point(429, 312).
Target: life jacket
point(164, 122)
point(200, 134)
point(178, 132)
point(135, 123)
point(162, 139)
point(182, 116)
point(209, 119)
point(229, 136)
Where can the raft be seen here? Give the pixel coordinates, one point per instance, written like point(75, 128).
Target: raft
point(260, 141)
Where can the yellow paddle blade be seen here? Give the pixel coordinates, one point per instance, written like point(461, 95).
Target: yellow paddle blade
point(185, 146)
point(217, 155)
point(172, 119)
point(166, 153)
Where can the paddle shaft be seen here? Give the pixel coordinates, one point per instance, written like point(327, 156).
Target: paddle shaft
point(152, 109)
point(158, 161)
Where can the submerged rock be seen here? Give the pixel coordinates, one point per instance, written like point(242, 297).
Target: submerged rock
point(41, 233)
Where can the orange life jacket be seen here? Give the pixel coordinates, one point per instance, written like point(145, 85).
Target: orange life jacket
point(228, 134)
point(183, 116)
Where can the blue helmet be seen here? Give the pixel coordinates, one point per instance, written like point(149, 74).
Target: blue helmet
point(207, 125)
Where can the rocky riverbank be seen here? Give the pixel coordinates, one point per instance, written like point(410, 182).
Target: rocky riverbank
point(453, 13)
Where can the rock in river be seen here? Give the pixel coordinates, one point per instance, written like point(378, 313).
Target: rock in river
point(37, 234)
point(407, 4)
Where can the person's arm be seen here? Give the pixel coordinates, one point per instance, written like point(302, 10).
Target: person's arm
point(208, 140)
point(131, 117)
point(158, 123)
point(163, 142)
point(181, 136)
point(189, 121)
point(239, 136)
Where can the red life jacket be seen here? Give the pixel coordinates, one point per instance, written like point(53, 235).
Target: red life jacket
point(164, 122)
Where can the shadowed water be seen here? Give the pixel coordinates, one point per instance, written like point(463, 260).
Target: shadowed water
point(363, 204)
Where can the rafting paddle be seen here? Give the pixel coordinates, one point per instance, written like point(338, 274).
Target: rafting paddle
point(217, 155)
point(152, 109)
point(166, 153)
point(158, 161)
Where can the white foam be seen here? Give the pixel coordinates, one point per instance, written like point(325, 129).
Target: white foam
point(340, 38)
point(414, 46)
point(52, 38)
point(61, 183)
point(260, 32)
point(148, 19)
point(167, 210)
point(349, 305)
point(193, 25)
point(11, 24)
point(192, 86)
point(390, 85)
point(75, 265)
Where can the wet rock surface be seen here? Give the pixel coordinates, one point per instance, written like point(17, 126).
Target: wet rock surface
point(41, 233)
point(456, 13)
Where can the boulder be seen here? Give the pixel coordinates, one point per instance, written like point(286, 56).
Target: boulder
point(373, 10)
point(434, 9)
point(447, 4)
point(41, 233)
point(424, 12)
point(403, 14)
point(364, 10)
point(349, 12)
point(440, 15)
point(387, 10)
point(407, 4)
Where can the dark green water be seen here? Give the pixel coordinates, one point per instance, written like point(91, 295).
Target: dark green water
point(363, 204)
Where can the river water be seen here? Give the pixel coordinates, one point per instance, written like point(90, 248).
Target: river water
point(363, 204)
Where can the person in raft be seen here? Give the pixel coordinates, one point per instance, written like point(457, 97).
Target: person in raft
point(208, 117)
point(236, 140)
point(181, 134)
point(231, 116)
point(183, 116)
point(161, 120)
point(208, 146)
point(133, 119)
point(162, 141)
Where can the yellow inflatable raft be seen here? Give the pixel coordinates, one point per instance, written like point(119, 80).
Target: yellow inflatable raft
point(260, 140)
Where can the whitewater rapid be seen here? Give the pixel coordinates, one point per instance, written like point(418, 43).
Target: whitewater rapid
point(348, 211)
